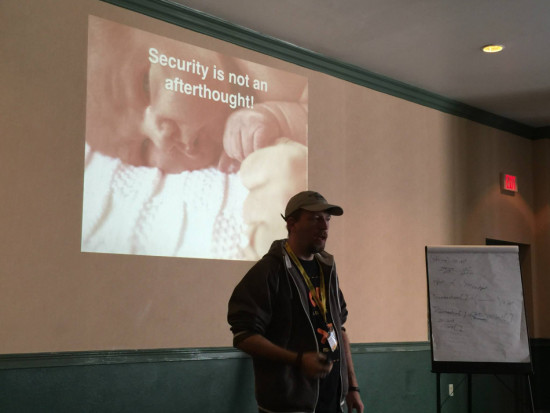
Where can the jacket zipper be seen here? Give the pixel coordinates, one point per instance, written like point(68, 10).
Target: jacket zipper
point(340, 396)
point(306, 311)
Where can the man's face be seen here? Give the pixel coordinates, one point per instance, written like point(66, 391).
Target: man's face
point(311, 231)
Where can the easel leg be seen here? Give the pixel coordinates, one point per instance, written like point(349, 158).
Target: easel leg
point(438, 392)
point(531, 394)
point(469, 393)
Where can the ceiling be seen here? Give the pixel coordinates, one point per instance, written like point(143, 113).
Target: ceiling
point(431, 44)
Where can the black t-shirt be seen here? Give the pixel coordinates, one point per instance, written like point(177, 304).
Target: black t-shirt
point(329, 387)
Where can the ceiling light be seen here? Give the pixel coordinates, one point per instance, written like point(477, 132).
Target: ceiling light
point(492, 48)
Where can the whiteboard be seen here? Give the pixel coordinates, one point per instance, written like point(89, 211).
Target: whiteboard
point(476, 309)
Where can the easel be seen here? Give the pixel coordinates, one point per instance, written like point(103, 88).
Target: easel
point(474, 309)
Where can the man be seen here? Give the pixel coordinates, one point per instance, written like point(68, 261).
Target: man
point(288, 314)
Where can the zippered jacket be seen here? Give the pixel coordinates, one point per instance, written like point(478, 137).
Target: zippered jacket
point(272, 300)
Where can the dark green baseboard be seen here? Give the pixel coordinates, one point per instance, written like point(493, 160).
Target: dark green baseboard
point(394, 377)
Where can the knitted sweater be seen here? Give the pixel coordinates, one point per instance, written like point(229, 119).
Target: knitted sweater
point(141, 210)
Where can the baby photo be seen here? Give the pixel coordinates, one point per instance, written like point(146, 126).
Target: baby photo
point(189, 152)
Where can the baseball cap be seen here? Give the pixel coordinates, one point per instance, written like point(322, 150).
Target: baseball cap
point(310, 201)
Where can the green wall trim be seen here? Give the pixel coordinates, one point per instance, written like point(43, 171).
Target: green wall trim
point(83, 358)
point(86, 358)
point(394, 377)
point(389, 347)
point(194, 20)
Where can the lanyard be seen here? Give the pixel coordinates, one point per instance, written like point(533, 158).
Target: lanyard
point(320, 301)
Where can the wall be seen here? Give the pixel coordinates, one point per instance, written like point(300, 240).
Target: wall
point(541, 167)
point(407, 176)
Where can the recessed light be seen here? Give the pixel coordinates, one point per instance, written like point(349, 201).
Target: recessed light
point(492, 48)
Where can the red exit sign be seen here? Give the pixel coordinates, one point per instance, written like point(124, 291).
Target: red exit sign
point(509, 182)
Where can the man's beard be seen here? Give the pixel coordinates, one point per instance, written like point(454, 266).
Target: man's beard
point(316, 248)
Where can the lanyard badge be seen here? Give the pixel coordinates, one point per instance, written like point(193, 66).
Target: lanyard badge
point(332, 340)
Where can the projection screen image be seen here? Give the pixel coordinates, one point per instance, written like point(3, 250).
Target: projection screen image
point(189, 152)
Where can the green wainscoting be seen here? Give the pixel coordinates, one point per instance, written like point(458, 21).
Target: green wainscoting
point(394, 377)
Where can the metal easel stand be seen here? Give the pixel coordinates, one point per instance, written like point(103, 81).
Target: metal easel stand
point(469, 392)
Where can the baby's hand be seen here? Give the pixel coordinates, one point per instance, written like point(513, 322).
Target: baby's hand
point(272, 175)
point(248, 130)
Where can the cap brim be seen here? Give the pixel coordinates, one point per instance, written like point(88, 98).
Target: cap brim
point(331, 209)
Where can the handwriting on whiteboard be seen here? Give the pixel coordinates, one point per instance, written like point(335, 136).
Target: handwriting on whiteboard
point(476, 306)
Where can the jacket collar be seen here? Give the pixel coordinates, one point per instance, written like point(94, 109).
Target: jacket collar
point(278, 249)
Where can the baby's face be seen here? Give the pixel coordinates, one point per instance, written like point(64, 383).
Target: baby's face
point(132, 116)
point(184, 131)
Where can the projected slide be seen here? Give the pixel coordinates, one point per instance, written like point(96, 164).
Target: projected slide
point(189, 152)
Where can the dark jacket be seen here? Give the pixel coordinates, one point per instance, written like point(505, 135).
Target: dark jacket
point(272, 300)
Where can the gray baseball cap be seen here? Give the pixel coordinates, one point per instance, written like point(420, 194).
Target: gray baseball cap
point(310, 201)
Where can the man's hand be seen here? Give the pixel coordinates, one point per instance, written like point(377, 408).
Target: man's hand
point(353, 400)
point(315, 365)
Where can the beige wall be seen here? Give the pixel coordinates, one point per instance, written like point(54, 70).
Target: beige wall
point(410, 176)
point(406, 175)
point(541, 158)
